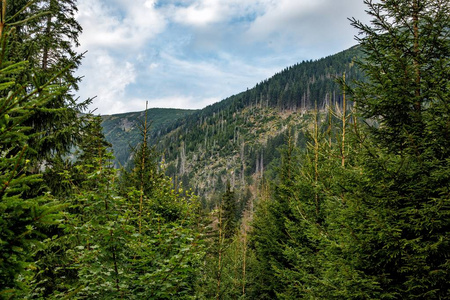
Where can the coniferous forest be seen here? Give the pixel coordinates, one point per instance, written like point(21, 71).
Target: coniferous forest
point(336, 184)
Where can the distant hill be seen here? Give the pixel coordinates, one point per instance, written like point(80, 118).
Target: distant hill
point(122, 130)
point(237, 138)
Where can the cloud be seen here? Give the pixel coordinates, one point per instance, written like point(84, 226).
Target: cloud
point(184, 53)
point(213, 78)
point(198, 14)
point(265, 27)
point(203, 13)
point(106, 78)
point(306, 23)
point(128, 24)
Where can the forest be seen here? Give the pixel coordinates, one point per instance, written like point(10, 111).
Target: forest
point(356, 204)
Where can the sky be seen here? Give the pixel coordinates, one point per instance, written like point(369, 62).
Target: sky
point(193, 53)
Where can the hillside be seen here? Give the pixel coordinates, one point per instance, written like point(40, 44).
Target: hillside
point(122, 130)
point(237, 138)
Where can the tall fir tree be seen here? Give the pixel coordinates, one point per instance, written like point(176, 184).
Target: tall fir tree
point(22, 218)
point(47, 33)
point(269, 233)
point(400, 206)
point(229, 210)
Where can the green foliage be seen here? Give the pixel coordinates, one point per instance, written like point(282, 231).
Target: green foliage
point(227, 278)
point(46, 32)
point(126, 242)
point(408, 70)
point(357, 207)
point(122, 130)
point(127, 255)
point(22, 218)
point(407, 64)
point(143, 173)
point(269, 226)
point(367, 214)
point(229, 208)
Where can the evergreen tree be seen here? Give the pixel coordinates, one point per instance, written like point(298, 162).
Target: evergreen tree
point(85, 186)
point(46, 35)
point(164, 251)
point(269, 233)
point(229, 211)
point(406, 61)
point(22, 218)
point(398, 211)
point(142, 172)
point(138, 240)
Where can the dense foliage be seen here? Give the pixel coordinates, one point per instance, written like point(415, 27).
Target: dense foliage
point(367, 216)
point(22, 218)
point(312, 187)
point(68, 229)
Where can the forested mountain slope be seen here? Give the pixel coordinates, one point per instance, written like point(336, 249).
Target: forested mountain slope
point(122, 130)
point(236, 139)
point(357, 204)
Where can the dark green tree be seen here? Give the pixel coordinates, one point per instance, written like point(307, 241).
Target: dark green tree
point(406, 60)
point(84, 184)
point(229, 210)
point(142, 172)
point(22, 219)
point(269, 233)
point(47, 32)
point(398, 208)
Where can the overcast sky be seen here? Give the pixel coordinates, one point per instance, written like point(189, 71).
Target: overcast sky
point(192, 53)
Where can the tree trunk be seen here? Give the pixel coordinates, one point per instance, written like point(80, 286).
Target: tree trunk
point(3, 17)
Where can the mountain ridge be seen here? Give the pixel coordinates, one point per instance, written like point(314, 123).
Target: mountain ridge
point(236, 139)
point(122, 130)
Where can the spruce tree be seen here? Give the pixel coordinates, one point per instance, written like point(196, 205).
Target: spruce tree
point(229, 210)
point(269, 234)
point(406, 61)
point(22, 218)
point(400, 207)
point(47, 32)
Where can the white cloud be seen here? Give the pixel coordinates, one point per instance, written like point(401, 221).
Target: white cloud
point(198, 14)
point(153, 66)
point(187, 53)
point(107, 78)
point(217, 77)
point(180, 101)
point(207, 12)
point(306, 23)
point(129, 25)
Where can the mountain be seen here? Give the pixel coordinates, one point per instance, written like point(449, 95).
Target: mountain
point(122, 130)
point(236, 139)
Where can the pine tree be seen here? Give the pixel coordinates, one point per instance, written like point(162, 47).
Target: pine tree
point(159, 234)
point(85, 187)
point(399, 209)
point(229, 212)
point(95, 234)
point(269, 234)
point(22, 218)
point(406, 63)
point(46, 35)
